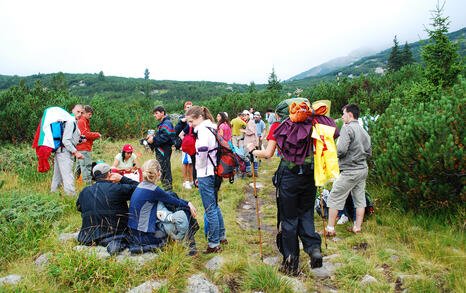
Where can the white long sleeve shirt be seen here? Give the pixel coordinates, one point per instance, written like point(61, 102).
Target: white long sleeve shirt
point(206, 145)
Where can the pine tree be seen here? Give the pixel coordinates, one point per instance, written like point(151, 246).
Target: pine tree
point(58, 82)
point(101, 76)
point(146, 74)
point(396, 57)
point(252, 87)
point(273, 83)
point(440, 55)
point(407, 55)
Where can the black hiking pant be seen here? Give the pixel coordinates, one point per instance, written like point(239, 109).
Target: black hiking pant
point(295, 203)
point(165, 164)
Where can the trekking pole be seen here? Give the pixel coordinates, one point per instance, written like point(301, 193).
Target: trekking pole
point(323, 215)
point(257, 204)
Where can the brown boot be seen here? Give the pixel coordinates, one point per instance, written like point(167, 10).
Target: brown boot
point(216, 249)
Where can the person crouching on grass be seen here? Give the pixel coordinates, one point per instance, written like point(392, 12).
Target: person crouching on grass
point(209, 184)
point(150, 222)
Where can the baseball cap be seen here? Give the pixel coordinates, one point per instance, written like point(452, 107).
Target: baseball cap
point(245, 112)
point(100, 170)
point(257, 114)
point(128, 148)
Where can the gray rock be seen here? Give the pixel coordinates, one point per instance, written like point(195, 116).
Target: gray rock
point(295, 284)
point(401, 278)
point(11, 279)
point(199, 284)
point(392, 251)
point(43, 260)
point(247, 207)
point(394, 257)
point(368, 279)
point(330, 257)
point(99, 251)
point(147, 287)
point(68, 236)
point(139, 259)
point(326, 271)
point(272, 260)
point(335, 239)
point(215, 263)
point(258, 185)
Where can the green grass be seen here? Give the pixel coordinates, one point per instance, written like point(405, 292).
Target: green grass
point(393, 243)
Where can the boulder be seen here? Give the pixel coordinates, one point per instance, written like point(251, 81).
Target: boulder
point(326, 271)
point(296, 284)
point(147, 287)
point(199, 284)
point(368, 279)
point(68, 236)
point(99, 251)
point(43, 260)
point(272, 260)
point(11, 280)
point(215, 263)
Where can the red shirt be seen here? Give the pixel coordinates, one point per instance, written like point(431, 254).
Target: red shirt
point(83, 125)
point(272, 129)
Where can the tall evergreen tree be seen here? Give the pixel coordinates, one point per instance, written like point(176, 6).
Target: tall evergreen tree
point(273, 83)
point(407, 55)
point(101, 76)
point(58, 81)
point(395, 58)
point(440, 55)
point(146, 74)
point(252, 87)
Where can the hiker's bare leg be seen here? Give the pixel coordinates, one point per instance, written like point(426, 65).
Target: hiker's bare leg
point(332, 217)
point(359, 218)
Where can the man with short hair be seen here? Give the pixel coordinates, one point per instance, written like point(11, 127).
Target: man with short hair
point(104, 208)
point(85, 148)
point(353, 148)
point(236, 125)
point(162, 143)
point(63, 160)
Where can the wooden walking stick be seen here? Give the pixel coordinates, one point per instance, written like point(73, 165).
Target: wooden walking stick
point(323, 215)
point(257, 204)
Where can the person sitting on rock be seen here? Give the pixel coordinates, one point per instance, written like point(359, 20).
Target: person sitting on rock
point(149, 219)
point(104, 207)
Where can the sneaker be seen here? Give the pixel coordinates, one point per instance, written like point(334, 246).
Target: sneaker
point(187, 185)
point(343, 219)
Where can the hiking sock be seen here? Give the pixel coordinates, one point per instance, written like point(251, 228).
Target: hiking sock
point(330, 228)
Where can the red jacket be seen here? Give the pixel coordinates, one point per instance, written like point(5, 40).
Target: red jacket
point(83, 125)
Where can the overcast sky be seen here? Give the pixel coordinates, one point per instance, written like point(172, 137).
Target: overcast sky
point(230, 41)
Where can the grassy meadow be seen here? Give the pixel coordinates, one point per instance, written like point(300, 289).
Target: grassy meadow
point(393, 243)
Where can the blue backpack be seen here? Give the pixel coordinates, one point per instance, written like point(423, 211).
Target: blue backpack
point(57, 134)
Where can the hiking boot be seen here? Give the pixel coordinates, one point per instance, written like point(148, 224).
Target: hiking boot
point(249, 174)
point(216, 249)
point(224, 242)
point(316, 258)
point(330, 234)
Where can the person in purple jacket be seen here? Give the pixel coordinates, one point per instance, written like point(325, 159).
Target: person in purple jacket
point(143, 223)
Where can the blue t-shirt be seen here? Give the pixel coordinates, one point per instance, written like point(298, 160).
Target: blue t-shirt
point(260, 126)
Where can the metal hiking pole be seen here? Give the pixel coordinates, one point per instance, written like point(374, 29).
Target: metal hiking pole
point(257, 203)
point(323, 215)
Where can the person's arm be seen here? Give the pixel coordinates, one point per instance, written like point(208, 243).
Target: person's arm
point(161, 195)
point(263, 128)
point(67, 139)
point(220, 132)
point(344, 141)
point(82, 125)
point(115, 164)
point(126, 186)
point(267, 153)
point(136, 163)
point(202, 147)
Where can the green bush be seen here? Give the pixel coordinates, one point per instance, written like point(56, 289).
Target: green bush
point(419, 150)
point(24, 221)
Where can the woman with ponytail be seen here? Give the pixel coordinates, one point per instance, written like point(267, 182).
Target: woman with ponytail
point(209, 184)
point(147, 210)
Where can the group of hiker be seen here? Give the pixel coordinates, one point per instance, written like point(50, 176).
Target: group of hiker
point(300, 133)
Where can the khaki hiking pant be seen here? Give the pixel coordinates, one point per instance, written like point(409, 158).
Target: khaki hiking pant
point(63, 172)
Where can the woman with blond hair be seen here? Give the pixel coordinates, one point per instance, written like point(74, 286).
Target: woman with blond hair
point(209, 184)
point(145, 213)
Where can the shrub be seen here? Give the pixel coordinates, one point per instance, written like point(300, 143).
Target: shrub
point(24, 220)
point(419, 150)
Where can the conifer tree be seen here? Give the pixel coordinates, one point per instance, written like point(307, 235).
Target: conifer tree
point(396, 57)
point(273, 83)
point(440, 55)
point(407, 55)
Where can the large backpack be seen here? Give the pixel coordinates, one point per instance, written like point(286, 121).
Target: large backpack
point(226, 158)
point(57, 133)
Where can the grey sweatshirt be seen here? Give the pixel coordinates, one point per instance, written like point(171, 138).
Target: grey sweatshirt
point(70, 139)
point(353, 147)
